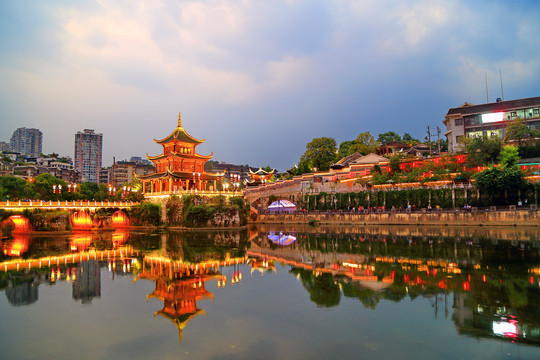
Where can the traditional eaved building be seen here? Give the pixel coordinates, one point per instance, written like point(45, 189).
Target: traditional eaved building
point(259, 177)
point(179, 167)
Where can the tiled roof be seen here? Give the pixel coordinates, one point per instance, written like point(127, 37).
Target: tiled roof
point(469, 109)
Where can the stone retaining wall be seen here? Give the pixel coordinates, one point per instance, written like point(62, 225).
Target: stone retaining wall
point(487, 218)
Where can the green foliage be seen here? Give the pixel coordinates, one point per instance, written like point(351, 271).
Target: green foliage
point(500, 184)
point(13, 189)
point(380, 178)
point(145, 214)
point(320, 153)
point(482, 150)
point(345, 149)
point(530, 150)
point(395, 162)
point(519, 132)
point(89, 190)
point(419, 198)
point(197, 213)
point(409, 139)
point(365, 143)
point(509, 156)
point(388, 137)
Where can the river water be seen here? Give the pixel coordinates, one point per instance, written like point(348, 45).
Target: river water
point(273, 292)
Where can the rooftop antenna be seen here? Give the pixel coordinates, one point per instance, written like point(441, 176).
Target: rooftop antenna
point(487, 97)
point(502, 92)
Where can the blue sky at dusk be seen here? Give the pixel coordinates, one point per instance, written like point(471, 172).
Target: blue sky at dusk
point(256, 79)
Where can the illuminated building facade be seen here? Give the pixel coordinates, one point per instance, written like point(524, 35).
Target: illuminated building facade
point(27, 142)
point(259, 177)
point(88, 154)
point(489, 119)
point(179, 167)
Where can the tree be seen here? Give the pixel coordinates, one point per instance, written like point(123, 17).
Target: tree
point(44, 183)
point(395, 162)
point(482, 150)
point(409, 139)
point(518, 131)
point(509, 156)
point(388, 137)
point(14, 188)
point(345, 149)
point(500, 182)
point(365, 143)
point(320, 153)
point(88, 190)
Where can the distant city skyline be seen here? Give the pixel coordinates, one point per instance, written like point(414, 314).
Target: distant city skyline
point(257, 80)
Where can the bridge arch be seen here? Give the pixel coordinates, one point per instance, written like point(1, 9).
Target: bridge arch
point(17, 224)
point(120, 220)
point(81, 220)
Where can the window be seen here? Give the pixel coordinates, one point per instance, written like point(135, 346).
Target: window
point(459, 121)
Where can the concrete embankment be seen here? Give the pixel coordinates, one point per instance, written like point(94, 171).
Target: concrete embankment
point(457, 218)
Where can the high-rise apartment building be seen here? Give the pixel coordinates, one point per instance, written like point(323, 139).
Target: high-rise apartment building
point(88, 154)
point(4, 146)
point(27, 142)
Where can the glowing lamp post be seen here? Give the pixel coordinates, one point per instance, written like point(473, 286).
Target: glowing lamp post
point(57, 189)
point(71, 189)
point(112, 190)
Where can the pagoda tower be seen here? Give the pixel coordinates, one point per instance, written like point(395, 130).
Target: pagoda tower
point(179, 167)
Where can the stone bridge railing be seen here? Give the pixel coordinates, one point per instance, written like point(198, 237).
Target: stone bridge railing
point(39, 204)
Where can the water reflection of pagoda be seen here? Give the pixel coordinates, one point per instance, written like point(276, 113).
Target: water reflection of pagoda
point(179, 287)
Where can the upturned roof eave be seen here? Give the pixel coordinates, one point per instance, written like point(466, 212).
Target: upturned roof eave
point(181, 135)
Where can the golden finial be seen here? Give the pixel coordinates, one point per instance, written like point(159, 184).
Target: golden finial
point(179, 120)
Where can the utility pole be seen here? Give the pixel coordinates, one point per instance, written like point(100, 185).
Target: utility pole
point(429, 140)
point(438, 138)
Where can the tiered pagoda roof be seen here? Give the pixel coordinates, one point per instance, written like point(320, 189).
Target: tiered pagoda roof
point(258, 176)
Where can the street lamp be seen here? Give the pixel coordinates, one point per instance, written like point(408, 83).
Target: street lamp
point(112, 190)
point(71, 189)
point(57, 189)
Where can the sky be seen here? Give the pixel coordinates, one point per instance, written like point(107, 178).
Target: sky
point(257, 80)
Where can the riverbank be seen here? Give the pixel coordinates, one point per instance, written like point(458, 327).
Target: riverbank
point(455, 218)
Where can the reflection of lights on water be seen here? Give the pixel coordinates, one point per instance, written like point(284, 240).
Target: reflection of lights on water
point(281, 239)
point(505, 328)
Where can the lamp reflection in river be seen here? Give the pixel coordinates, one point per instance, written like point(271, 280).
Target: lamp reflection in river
point(17, 246)
point(80, 241)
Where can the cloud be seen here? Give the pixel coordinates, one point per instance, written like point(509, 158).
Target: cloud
point(239, 70)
